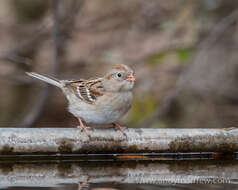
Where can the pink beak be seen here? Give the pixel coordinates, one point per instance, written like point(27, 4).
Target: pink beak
point(131, 78)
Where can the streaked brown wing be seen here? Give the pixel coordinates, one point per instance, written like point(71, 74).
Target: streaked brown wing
point(88, 91)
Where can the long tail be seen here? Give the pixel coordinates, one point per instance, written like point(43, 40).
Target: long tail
point(47, 79)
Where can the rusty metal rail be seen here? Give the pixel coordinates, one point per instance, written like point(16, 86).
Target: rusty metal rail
point(25, 141)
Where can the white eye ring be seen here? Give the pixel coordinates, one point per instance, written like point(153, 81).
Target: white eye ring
point(119, 75)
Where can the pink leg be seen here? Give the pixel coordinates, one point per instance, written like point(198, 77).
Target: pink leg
point(122, 129)
point(82, 126)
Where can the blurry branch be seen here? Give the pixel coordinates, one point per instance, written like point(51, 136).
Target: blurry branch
point(220, 28)
point(13, 54)
point(42, 33)
point(71, 19)
point(14, 58)
point(60, 31)
point(166, 105)
point(41, 101)
point(58, 41)
point(168, 39)
point(35, 113)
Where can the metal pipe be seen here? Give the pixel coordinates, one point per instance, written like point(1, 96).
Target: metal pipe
point(73, 140)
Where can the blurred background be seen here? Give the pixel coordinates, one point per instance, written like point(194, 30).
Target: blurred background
point(184, 53)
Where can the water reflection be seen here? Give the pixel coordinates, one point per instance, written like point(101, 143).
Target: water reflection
point(130, 175)
point(132, 187)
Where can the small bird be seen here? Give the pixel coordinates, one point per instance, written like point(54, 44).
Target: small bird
point(97, 101)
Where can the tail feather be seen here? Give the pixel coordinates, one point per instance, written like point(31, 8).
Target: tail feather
point(50, 80)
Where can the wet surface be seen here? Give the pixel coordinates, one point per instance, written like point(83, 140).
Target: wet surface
point(111, 186)
point(189, 173)
point(116, 157)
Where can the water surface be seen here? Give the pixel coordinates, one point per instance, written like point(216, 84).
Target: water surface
point(120, 175)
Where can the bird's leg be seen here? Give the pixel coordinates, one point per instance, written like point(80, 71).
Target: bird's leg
point(82, 126)
point(122, 129)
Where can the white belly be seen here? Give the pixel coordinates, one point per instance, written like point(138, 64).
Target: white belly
point(106, 109)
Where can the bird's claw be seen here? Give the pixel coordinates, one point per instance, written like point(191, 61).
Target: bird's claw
point(118, 127)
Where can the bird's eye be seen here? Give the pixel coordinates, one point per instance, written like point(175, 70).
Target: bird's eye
point(119, 74)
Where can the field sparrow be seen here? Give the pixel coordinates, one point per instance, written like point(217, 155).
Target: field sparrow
point(98, 101)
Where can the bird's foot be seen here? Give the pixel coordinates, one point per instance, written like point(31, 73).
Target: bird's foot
point(118, 127)
point(83, 127)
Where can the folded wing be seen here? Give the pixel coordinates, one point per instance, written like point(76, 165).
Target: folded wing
point(88, 90)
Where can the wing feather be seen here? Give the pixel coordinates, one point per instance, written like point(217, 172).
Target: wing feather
point(88, 91)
